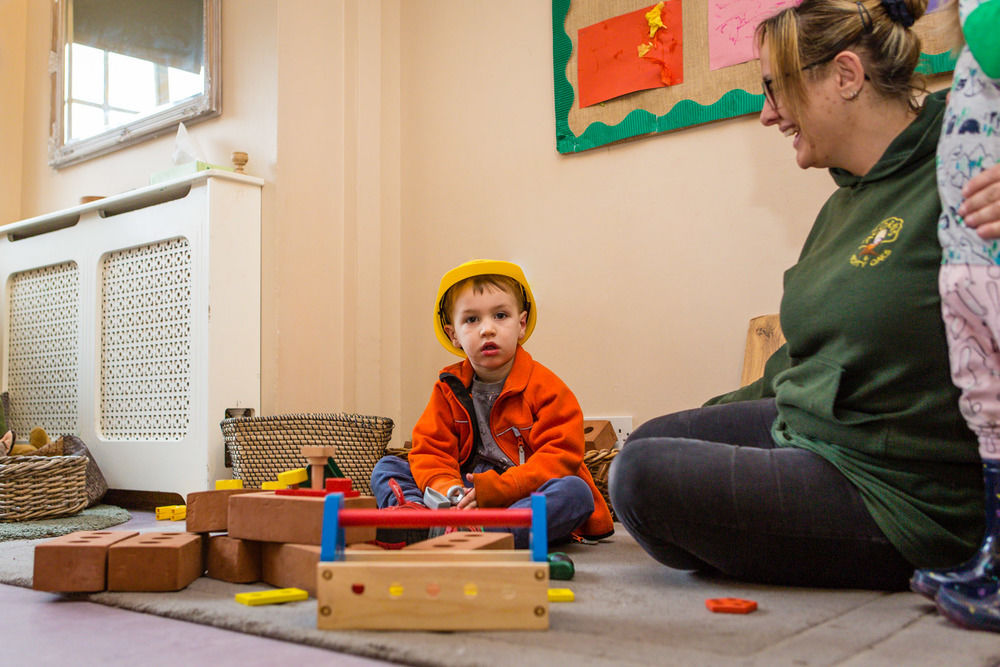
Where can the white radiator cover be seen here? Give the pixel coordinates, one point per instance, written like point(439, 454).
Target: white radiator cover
point(134, 323)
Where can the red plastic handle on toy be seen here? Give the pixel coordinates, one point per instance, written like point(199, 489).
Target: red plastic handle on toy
point(426, 518)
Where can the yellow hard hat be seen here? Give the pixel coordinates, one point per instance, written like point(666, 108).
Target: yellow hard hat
point(481, 267)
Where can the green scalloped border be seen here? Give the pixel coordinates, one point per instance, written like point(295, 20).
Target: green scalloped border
point(736, 102)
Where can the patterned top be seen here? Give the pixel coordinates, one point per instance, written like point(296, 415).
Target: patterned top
point(970, 136)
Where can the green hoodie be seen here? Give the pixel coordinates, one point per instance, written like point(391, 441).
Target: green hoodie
point(864, 380)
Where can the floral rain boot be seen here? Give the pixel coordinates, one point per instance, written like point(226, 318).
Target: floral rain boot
point(978, 575)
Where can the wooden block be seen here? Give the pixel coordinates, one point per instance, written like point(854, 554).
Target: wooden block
point(289, 565)
point(167, 512)
point(233, 560)
point(598, 434)
point(447, 555)
point(267, 517)
point(764, 337)
point(257, 598)
point(464, 540)
point(433, 596)
point(155, 562)
point(75, 563)
point(318, 451)
point(208, 511)
point(290, 477)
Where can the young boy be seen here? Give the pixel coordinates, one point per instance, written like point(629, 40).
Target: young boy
point(499, 426)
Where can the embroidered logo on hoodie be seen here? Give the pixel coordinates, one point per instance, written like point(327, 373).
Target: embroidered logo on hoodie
point(875, 248)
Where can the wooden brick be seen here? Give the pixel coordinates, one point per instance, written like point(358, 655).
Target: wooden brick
point(598, 434)
point(266, 517)
point(289, 565)
point(208, 511)
point(75, 563)
point(155, 562)
point(233, 560)
point(464, 540)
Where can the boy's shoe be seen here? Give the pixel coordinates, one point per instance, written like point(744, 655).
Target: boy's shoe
point(397, 538)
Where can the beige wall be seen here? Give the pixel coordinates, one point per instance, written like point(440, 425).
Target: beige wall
point(399, 138)
point(13, 26)
point(646, 258)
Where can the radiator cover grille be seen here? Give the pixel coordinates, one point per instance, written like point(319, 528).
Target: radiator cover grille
point(145, 390)
point(43, 374)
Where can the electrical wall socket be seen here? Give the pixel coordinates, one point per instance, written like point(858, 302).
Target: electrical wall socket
point(622, 426)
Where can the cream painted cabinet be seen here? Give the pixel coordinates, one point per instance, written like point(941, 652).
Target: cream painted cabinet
point(134, 322)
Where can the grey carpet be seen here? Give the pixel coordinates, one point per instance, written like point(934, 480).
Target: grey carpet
point(628, 611)
point(97, 517)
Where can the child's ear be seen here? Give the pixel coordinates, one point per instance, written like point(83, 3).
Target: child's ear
point(524, 325)
point(450, 332)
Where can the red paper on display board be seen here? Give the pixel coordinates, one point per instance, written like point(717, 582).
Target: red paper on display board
point(618, 56)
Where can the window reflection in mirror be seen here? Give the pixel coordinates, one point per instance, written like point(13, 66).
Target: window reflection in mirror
point(131, 69)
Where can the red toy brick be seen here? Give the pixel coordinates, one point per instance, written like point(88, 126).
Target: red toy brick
point(333, 485)
point(155, 562)
point(730, 605)
point(339, 484)
point(75, 563)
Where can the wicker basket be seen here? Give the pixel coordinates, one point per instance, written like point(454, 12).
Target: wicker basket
point(598, 462)
point(262, 447)
point(42, 487)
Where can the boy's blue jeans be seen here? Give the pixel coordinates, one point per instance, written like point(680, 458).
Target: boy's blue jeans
point(568, 500)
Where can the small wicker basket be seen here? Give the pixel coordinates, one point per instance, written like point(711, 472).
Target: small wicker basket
point(262, 447)
point(42, 487)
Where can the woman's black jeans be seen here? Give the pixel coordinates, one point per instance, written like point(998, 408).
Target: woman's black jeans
point(708, 489)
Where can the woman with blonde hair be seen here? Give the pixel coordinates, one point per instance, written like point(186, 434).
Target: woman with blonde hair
point(848, 464)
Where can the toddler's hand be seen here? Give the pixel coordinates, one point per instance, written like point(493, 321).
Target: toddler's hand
point(981, 208)
point(468, 501)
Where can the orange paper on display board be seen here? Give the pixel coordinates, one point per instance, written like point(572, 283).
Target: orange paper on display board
point(609, 63)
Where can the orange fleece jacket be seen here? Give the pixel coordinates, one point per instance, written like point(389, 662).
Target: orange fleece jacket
point(535, 403)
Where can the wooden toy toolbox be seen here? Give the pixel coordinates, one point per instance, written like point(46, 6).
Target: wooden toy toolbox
point(427, 590)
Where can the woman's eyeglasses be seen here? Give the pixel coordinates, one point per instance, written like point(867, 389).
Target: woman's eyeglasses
point(767, 83)
point(866, 26)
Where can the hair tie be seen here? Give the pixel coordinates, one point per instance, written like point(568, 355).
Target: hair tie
point(898, 12)
point(866, 18)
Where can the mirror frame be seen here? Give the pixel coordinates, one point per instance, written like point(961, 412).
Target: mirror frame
point(191, 110)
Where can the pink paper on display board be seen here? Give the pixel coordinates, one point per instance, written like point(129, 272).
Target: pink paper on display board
point(609, 63)
point(731, 25)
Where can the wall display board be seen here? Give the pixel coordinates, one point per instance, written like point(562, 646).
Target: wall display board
point(627, 68)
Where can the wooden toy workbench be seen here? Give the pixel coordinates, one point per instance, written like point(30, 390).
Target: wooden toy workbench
point(428, 590)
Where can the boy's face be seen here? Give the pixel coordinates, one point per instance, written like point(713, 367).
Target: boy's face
point(487, 326)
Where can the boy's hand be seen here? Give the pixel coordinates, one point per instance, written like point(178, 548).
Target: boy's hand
point(468, 501)
point(981, 208)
